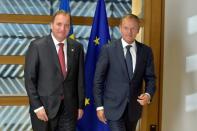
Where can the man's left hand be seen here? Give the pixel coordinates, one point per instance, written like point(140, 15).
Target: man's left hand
point(143, 99)
point(80, 113)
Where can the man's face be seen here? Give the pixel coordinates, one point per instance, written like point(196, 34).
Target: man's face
point(129, 29)
point(61, 26)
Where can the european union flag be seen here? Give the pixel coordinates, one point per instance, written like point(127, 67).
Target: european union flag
point(65, 5)
point(99, 36)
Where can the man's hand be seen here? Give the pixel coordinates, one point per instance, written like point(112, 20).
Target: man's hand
point(101, 116)
point(143, 99)
point(41, 114)
point(80, 113)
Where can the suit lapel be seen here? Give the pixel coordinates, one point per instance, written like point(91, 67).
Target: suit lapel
point(121, 58)
point(70, 55)
point(54, 55)
point(139, 54)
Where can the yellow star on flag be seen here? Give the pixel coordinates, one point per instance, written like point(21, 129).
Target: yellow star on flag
point(72, 36)
point(96, 41)
point(87, 101)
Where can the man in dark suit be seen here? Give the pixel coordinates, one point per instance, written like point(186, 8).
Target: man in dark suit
point(121, 68)
point(54, 78)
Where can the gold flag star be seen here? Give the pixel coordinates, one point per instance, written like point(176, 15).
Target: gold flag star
point(72, 36)
point(96, 41)
point(87, 101)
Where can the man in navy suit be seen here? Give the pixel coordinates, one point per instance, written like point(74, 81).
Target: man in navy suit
point(118, 83)
point(54, 78)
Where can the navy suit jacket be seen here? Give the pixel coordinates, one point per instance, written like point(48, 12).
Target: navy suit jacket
point(112, 87)
point(44, 80)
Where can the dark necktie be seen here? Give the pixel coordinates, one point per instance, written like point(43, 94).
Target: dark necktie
point(62, 58)
point(129, 61)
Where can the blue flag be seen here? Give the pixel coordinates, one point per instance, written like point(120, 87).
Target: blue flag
point(99, 36)
point(65, 5)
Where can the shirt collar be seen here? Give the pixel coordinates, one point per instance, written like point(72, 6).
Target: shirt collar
point(124, 44)
point(56, 42)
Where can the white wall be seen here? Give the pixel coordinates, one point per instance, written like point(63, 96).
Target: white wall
point(179, 110)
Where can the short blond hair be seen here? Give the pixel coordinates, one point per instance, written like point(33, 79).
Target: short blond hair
point(130, 16)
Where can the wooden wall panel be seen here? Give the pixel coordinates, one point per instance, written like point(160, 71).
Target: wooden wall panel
point(45, 19)
point(153, 20)
point(13, 100)
point(12, 60)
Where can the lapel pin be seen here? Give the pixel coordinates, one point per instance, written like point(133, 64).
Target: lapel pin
point(72, 50)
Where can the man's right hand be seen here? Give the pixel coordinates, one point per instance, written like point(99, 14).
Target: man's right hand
point(41, 114)
point(101, 116)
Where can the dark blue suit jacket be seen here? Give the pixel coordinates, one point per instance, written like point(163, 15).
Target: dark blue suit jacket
point(112, 87)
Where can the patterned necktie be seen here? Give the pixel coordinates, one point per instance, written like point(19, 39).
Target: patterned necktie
point(62, 59)
point(129, 61)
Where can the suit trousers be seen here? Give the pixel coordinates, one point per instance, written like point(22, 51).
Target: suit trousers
point(61, 122)
point(123, 124)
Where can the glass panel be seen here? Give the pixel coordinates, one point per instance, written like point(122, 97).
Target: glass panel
point(23, 30)
point(114, 8)
point(15, 118)
point(14, 46)
point(115, 33)
point(121, 8)
point(33, 7)
point(15, 38)
point(82, 31)
point(12, 80)
point(84, 42)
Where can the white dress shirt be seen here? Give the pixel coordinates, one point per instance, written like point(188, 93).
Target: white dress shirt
point(133, 51)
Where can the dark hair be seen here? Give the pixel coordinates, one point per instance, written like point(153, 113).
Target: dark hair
point(60, 12)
